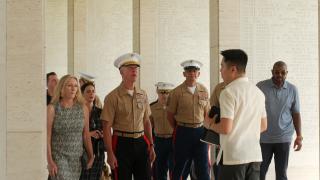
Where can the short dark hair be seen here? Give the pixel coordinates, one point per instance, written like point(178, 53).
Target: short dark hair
point(279, 63)
point(191, 68)
point(236, 57)
point(83, 87)
point(50, 74)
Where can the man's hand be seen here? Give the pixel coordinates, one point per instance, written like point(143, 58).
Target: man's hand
point(215, 111)
point(207, 122)
point(112, 160)
point(152, 154)
point(298, 143)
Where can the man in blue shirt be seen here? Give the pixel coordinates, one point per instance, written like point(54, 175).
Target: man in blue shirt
point(283, 114)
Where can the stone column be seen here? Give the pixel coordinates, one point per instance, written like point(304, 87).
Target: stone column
point(80, 36)
point(70, 35)
point(3, 90)
point(214, 44)
point(25, 85)
point(136, 30)
point(56, 36)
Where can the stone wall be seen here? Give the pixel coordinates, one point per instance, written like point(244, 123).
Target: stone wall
point(35, 36)
point(172, 31)
point(281, 30)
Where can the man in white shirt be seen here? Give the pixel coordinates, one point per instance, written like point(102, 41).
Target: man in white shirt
point(243, 117)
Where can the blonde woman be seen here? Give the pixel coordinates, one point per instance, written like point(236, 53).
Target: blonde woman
point(67, 131)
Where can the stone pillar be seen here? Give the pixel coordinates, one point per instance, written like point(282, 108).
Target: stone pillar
point(3, 90)
point(173, 31)
point(70, 35)
point(56, 24)
point(136, 30)
point(214, 44)
point(318, 69)
point(25, 85)
point(80, 36)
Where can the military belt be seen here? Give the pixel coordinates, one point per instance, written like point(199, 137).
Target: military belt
point(128, 134)
point(191, 125)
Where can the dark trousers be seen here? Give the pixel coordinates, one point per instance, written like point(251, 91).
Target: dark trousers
point(164, 159)
point(215, 166)
point(188, 147)
point(133, 158)
point(249, 171)
point(281, 159)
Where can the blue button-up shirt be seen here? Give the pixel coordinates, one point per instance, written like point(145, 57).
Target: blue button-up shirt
point(280, 104)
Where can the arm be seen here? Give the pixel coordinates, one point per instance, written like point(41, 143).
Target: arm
point(152, 121)
point(227, 106)
point(148, 133)
point(87, 138)
point(297, 123)
point(108, 117)
point(223, 127)
point(206, 122)
point(112, 160)
point(172, 108)
point(52, 167)
point(295, 112)
point(264, 124)
point(297, 126)
point(214, 98)
point(171, 119)
point(148, 129)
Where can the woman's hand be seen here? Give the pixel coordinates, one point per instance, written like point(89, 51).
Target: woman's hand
point(100, 134)
point(52, 168)
point(90, 162)
point(96, 134)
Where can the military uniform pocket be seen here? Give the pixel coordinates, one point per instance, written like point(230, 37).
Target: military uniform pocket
point(140, 105)
point(202, 103)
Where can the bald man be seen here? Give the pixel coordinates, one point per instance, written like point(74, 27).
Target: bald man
point(283, 114)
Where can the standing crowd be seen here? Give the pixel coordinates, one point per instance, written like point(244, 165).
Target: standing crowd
point(163, 140)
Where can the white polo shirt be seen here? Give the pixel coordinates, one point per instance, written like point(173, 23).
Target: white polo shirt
point(244, 103)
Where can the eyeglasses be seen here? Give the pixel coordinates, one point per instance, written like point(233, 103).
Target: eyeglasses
point(163, 91)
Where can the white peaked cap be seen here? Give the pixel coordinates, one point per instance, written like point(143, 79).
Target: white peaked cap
point(87, 76)
point(127, 59)
point(191, 63)
point(164, 86)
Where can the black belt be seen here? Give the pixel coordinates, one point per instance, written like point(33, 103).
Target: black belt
point(128, 134)
point(191, 125)
point(163, 135)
